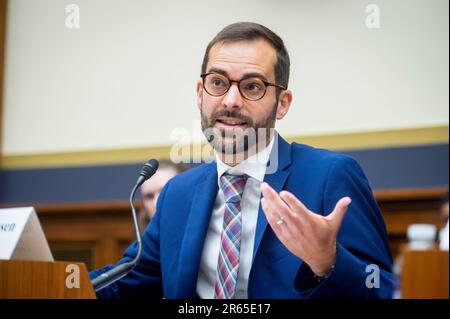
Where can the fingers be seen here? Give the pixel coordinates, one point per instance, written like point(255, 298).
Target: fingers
point(294, 204)
point(272, 218)
point(309, 236)
point(273, 199)
point(274, 207)
point(293, 211)
point(295, 208)
point(337, 215)
point(280, 209)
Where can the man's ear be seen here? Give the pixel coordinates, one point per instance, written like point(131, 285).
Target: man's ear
point(199, 94)
point(284, 102)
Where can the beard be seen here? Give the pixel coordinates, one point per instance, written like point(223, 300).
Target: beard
point(255, 136)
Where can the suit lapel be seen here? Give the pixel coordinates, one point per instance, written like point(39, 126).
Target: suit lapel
point(282, 153)
point(195, 232)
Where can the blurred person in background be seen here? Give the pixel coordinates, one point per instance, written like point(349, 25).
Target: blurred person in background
point(152, 187)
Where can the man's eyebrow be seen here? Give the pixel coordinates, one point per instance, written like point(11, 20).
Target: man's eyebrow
point(217, 70)
point(254, 75)
point(245, 76)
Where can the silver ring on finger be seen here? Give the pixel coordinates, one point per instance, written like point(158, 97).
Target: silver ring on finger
point(280, 221)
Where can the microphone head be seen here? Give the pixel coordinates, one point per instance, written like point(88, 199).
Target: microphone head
point(149, 169)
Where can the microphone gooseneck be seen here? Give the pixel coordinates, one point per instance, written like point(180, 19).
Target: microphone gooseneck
point(122, 270)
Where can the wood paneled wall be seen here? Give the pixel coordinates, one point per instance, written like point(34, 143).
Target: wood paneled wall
point(402, 208)
point(98, 233)
point(101, 231)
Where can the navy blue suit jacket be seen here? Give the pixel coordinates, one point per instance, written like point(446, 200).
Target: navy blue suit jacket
point(173, 241)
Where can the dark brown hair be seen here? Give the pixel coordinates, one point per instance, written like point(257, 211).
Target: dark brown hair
point(250, 31)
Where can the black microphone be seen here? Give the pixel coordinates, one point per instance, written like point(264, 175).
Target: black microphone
point(122, 270)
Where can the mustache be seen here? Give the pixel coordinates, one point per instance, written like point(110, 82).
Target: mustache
point(233, 113)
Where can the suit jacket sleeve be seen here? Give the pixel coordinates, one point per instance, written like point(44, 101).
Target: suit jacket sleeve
point(144, 281)
point(363, 261)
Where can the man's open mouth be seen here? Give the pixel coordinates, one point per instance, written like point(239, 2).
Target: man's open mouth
point(230, 122)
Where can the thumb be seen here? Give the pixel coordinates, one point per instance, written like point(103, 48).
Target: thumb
point(337, 215)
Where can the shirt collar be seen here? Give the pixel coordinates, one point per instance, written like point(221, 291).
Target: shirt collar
point(254, 166)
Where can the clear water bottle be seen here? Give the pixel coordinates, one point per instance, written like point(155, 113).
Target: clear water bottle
point(421, 236)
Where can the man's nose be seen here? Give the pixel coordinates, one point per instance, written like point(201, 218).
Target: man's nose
point(233, 98)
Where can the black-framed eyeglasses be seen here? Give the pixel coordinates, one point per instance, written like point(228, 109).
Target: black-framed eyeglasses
point(252, 88)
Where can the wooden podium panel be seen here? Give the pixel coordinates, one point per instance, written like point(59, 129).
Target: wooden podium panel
point(425, 274)
point(21, 279)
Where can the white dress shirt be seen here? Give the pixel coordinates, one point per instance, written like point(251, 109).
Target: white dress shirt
point(255, 168)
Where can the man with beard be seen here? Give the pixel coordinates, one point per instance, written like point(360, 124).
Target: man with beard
point(266, 219)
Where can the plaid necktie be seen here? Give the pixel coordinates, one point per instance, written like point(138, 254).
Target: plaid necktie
point(230, 241)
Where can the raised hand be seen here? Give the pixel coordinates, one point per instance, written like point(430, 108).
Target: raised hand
point(305, 234)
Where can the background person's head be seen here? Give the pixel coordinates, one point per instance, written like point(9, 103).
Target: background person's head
point(243, 51)
point(152, 187)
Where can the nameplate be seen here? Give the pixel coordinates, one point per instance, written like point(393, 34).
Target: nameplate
point(21, 235)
